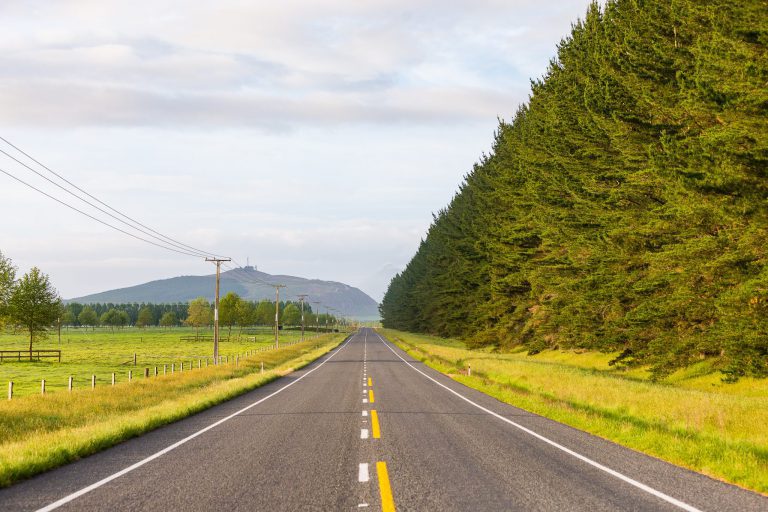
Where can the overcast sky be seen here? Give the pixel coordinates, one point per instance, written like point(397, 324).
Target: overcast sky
point(314, 137)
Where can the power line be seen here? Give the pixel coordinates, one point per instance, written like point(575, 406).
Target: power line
point(95, 218)
point(178, 246)
point(146, 229)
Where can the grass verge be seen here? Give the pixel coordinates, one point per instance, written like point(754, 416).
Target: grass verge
point(691, 419)
point(38, 433)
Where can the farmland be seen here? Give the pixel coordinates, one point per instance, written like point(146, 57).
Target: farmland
point(102, 351)
point(41, 432)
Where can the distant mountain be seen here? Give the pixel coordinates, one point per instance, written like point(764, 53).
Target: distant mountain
point(250, 284)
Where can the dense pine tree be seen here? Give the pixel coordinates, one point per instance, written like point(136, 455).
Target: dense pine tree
point(624, 207)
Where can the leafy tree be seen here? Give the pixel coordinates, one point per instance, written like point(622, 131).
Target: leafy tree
point(34, 304)
point(246, 314)
point(228, 310)
point(169, 319)
point(88, 317)
point(7, 282)
point(145, 317)
point(291, 315)
point(115, 318)
point(67, 318)
point(199, 314)
point(265, 313)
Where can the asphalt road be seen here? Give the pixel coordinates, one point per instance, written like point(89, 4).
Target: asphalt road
point(328, 438)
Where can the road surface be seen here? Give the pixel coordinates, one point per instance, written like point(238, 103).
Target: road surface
point(368, 428)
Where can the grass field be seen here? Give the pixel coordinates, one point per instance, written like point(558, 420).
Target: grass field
point(41, 432)
point(692, 418)
point(102, 352)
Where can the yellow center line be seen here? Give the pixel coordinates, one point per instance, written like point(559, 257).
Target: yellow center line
point(370, 382)
point(375, 424)
point(387, 502)
point(370, 395)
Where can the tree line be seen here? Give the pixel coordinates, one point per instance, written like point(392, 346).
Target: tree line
point(625, 206)
point(233, 311)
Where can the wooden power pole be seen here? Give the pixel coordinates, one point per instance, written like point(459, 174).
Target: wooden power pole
point(317, 316)
point(218, 262)
point(277, 313)
point(302, 298)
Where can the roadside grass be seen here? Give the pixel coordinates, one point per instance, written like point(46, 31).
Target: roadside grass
point(38, 433)
point(691, 419)
point(102, 352)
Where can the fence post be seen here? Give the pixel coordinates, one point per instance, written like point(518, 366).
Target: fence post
point(69, 384)
point(146, 373)
point(155, 371)
point(165, 367)
point(181, 366)
point(113, 378)
point(93, 382)
point(10, 390)
point(42, 387)
point(130, 375)
point(198, 364)
point(469, 370)
point(173, 367)
point(134, 359)
point(262, 367)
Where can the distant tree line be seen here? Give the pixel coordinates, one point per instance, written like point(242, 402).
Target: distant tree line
point(625, 207)
point(233, 311)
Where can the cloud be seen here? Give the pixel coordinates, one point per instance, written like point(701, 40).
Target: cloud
point(314, 137)
point(272, 65)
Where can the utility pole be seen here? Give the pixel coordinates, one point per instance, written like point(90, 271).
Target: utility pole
point(302, 298)
point(277, 313)
point(317, 317)
point(218, 262)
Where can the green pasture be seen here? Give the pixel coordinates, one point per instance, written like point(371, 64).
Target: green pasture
point(692, 418)
point(38, 432)
point(85, 352)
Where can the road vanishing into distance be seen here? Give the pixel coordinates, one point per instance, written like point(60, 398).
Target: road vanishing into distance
point(367, 427)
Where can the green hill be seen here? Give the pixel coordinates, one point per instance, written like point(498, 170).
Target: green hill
point(625, 207)
point(247, 282)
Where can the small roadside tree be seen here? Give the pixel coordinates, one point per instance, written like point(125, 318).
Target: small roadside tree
point(88, 317)
point(246, 314)
point(291, 315)
point(265, 313)
point(228, 310)
point(145, 317)
point(199, 314)
point(169, 319)
point(35, 305)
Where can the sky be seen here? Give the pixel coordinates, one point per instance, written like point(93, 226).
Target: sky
point(311, 138)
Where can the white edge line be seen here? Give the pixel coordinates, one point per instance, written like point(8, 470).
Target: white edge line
point(365, 413)
point(103, 481)
point(620, 476)
point(363, 433)
point(362, 472)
